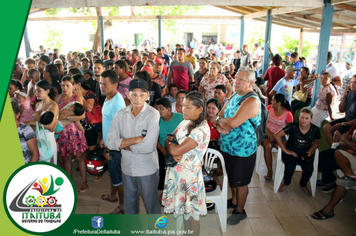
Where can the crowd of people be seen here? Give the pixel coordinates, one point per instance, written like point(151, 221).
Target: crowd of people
point(131, 103)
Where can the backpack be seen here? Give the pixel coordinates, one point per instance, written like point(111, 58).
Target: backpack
point(261, 130)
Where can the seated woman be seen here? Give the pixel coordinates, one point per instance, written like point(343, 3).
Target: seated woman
point(326, 97)
point(303, 139)
point(213, 108)
point(178, 105)
point(305, 85)
point(279, 117)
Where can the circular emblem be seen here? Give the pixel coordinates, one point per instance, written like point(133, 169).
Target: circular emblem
point(39, 197)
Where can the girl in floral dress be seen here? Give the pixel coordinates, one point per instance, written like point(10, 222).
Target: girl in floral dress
point(184, 190)
point(71, 140)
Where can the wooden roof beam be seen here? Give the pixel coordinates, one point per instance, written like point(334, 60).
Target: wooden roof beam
point(346, 7)
point(308, 17)
point(336, 16)
point(300, 23)
point(276, 11)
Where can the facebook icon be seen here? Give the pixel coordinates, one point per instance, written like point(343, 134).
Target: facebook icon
point(97, 222)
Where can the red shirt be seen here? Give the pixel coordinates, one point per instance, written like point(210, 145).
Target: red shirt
point(273, 75)
point(165, 71)
point(214, 134)
point(133, 61)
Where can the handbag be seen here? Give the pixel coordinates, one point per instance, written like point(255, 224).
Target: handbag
point(95, 116)
point(170, 162)
point(44, 146)
point(301, 96)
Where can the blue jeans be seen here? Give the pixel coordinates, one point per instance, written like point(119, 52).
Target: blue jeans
point(114, 168)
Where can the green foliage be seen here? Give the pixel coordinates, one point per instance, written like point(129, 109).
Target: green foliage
point(54, 38)
point(168, 25)
point(255, 35)
point(292, 45)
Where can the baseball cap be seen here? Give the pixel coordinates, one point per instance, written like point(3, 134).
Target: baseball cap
point(349, 62)
point(288, 54)
point(291, 68)
point(138, 83)
point(85, 58)
point(154, 52)
point(148, 69)
point(158, 60)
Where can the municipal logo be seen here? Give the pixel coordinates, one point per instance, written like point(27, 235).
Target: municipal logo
point(161, 222)
point(39, 197)
point(97, 222)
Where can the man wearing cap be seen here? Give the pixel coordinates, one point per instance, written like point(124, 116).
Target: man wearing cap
point(285, 85)
point(347, 77)
point(191, 58)
point(152, 55)
point(158, 77)
point(287, 61)
point(134, 131)
point(85, 65)
point(181, 72)
point(113, 103)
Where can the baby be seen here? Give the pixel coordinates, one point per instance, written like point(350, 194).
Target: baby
point(25, 105)
point(72, 109)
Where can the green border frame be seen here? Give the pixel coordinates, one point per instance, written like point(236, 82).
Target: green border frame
point(23, 167)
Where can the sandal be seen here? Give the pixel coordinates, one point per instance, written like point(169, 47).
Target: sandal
point(97, 178)
point(84, 187)
point(346, 181)
point(267, 177)
point(117, 210)
point(106, 198)
point(321, 215)
point(306, 191)
point(282, 188)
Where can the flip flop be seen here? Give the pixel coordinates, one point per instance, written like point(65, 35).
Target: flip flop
point(97, 178)
point(307, 193)
point(321, 215)
point(117, 210)
point(346, 181)
point(106, 198)
point(267, 178)
point(281, 189)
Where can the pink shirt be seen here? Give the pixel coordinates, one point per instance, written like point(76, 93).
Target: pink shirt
point(323, 91)
point(276, 123)
point(124, 86)
point(27, 112)
point(209, 85)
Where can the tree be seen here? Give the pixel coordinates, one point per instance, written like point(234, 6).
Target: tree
point(89, 11)
point(292, 45)
point(54, 38)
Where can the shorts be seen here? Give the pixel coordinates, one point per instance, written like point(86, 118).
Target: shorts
point(114, 168)
point(351, 158)
point(91, 136)
point(239, 169)
point(59, 129)
point(343, 129)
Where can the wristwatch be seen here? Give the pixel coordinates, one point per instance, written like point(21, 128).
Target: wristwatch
point(217, 119)
point(67, 117)
point(343, 124)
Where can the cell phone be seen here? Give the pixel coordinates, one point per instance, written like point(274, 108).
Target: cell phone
point(172, 138)
point(306, 157)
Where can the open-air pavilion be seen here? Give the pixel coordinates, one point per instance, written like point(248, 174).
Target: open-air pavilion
point(325, 17)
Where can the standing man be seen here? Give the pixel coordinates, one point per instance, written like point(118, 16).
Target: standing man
point(246, 56)
point(135, 56)
point(134, 131)
point(44, 61)
point(98, 69)
point(239, 151)
point(347, 77)
point(113, 103)
point(257, 53)
point(191, 58)
point(181, 72)
point(120, 67)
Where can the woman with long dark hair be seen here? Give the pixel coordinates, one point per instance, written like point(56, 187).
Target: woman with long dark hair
point(279, 117)
point(52, 75)
point(274, 74)
point(184, 191)
point(46, 94)
point(71, 141)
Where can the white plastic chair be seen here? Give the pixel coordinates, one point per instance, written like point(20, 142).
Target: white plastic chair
point(260, 157)
point(279, 173)
point(219, 197)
